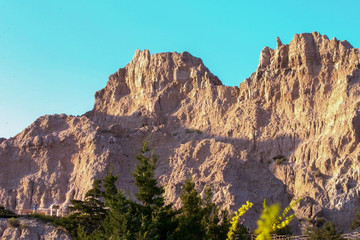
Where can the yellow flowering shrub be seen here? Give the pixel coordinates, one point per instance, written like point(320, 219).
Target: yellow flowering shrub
point(234, 221)
point(270, 220)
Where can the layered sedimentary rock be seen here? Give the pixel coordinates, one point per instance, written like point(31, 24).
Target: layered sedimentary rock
point(31, 229)
point(290, 130)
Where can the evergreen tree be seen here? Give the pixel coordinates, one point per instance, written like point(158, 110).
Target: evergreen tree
point(127, 219)
point(88, 214)
point(215, 222)
point(157, 219)
point(200, 219)
point(149, 193)
point(190, 226)
point(120, 221)
point(147, 218)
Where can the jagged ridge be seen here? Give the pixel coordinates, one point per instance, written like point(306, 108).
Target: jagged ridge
point(302, 102)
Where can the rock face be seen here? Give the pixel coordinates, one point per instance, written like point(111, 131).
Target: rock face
point(31, 230)
point(290, 130)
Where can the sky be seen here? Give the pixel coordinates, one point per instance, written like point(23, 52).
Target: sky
point(54, 55)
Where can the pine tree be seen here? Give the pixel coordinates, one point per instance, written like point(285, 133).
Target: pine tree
point(87, 214)
point(215, 222)
point(127, 219)
point(190, 226)
point(120, 221)
point(200, 218)
point(157, 219)
point(149, 193)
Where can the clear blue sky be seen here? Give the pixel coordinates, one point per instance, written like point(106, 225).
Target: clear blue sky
point(54, 55)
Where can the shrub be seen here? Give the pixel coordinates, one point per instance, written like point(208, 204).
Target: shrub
point(327, 232)
point(45, 218)
point(23, 226)
point(5, 212)
point(192, 130)
point(14, 222)
point(234, 221)
point(317, 173)
point(279, 159)
point(271, 221)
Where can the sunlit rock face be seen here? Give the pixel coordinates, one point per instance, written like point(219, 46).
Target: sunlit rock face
point(302, 103)
point(34, 230)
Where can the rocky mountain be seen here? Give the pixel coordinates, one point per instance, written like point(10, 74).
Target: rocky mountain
point(290, 130)
point(31, 229)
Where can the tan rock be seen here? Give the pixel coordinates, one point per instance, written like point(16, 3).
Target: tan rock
point(302, 103)
point(31, 229)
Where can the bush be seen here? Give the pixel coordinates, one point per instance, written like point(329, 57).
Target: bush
point(14, 222)
point(192, 130)
point(327, 232)
point(5, 212)
point(23, 226)
point(317, 173)
point(279, 159)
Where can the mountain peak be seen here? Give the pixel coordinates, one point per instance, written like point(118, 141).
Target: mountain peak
point(149, 76)
point(291, 130)
point(305, 50)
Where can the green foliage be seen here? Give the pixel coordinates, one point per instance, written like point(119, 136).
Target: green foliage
point(86, 216)
point(215, 222)
point(5, 212)
point(326, 232)
point(242, 232)
point(14, 222)
point(128, 219)
point(266, 221)
point(149, 193)
point(23, 226)
point(279, 159)
point(190, 226)
point(45, 218)
point(235, 220)
point(284, 220)
point(271, 222)
point(356, 222)
point(89, 213)
point(200, 219)
point(317, 173)
point(192, 130)
point(284, 231)
point(106, 213)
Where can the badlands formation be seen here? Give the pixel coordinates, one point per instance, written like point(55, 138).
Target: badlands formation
point(302, 103)
point(32, 230)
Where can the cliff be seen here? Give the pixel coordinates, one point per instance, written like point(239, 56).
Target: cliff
point(290, 130)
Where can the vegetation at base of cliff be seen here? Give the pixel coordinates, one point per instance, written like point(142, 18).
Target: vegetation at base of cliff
point(233, 231)
point(271, 221)
point(6, 213)
point(326, 232)
point(107, 213)
point(193, 130)
point(14, 222)
point(280, 159)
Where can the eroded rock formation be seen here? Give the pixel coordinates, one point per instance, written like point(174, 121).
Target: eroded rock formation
point(31, 229)
point(301, 104)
